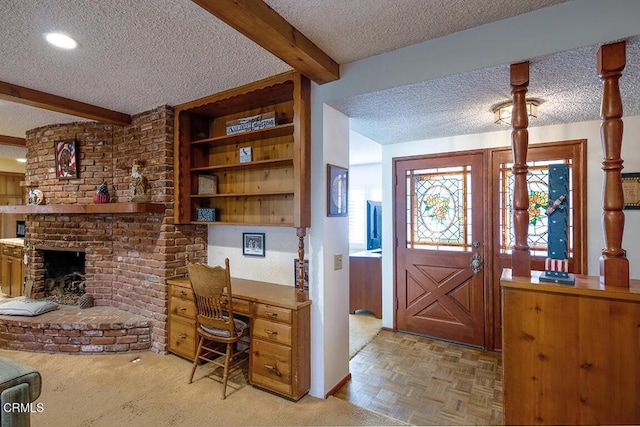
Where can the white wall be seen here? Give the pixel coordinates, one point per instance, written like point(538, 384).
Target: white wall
point(281, 248)
point(367, 181)
point(585, 130)
point(332, 307)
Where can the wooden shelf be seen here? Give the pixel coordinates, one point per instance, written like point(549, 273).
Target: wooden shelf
point(104, 208)
point(240, 138)
point(259, 224)
point(256, 164)
point(262, 193)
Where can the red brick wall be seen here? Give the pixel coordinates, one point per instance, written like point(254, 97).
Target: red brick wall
point(128, 256)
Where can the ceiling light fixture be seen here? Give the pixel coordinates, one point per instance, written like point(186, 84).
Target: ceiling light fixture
point(503, 112)
point(61, 40)
point(21, 160)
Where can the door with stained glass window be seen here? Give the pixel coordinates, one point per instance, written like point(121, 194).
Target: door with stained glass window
point(439, 223)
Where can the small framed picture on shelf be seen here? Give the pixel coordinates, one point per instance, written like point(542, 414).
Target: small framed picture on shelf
point(253, 244)
point(67, 159)
point(337, 185)
point(245, 155)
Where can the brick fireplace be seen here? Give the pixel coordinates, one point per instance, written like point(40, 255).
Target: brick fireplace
point(128, 256)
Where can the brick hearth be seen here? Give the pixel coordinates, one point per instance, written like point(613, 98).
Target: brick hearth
point(72, 330)
point(128, 257)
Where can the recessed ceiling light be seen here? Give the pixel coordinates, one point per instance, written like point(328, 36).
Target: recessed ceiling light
point(61, 40)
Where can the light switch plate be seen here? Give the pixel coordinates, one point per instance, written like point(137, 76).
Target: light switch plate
point(337, 261)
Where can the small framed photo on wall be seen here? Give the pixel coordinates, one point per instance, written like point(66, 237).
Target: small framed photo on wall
point(631, 190)
point(253, 244)
point(337, 187)
point(67, 159)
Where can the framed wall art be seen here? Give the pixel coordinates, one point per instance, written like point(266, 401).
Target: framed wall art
point(67, 159)
point(631, 190)
point(296, 270)
point(337, 187)
point(253, 244)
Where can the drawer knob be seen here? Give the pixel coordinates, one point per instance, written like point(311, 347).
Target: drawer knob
point(269, 332)
point(182, 337)
point(182, 308)
point(183, 294)
point(270, 313)
point(273, 369)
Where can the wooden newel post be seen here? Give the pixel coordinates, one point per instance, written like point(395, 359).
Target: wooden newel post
point(614, 265)
point(301, 294)
point(520, 257)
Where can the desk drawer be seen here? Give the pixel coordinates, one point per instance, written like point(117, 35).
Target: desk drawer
point(182, 337)
point(271, 366)
point(241, 306)
point(12, 251)
point(272, 312)
point(180, 292)
point(182, 307)
point(273, 331)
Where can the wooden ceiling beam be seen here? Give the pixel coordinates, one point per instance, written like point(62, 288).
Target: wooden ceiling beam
point(257, 21)
point(47, 101)
point(12, 140)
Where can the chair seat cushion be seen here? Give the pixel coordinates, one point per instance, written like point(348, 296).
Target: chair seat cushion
point(239, 324)
point(26, 307)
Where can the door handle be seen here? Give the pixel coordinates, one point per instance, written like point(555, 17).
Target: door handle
point(476, 263)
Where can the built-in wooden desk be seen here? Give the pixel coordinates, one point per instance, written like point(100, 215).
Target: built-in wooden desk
point(571, 354)
point(279, 359)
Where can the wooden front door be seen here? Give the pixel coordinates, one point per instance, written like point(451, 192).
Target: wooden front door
point(440, 226)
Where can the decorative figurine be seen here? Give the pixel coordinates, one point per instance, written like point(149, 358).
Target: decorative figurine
point(139, 184)
point(35, 197)
point(102, 194)
point(557, 262)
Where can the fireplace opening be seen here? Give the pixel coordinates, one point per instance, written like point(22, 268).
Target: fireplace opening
point(64, 276)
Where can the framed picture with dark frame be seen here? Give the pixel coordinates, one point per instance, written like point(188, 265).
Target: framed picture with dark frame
point(67, 159)
point(337, 187)
point(631, 190)
point(253, 244)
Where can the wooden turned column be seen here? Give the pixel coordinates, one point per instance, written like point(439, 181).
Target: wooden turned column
point(520, 257)
point(614, 265)
point(301, 294)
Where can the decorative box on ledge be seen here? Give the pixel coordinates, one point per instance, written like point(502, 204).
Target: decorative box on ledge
point(206, 214)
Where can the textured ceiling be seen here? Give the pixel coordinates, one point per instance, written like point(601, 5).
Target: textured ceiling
point(566, 84)
point(349, 30)
point(136, 55)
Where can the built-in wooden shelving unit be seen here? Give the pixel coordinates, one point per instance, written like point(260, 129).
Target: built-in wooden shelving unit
point(273, 187)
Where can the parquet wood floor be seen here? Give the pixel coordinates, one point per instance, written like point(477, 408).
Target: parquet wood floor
point(422, 381)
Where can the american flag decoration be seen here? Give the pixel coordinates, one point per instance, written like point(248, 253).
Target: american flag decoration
point(102, 194)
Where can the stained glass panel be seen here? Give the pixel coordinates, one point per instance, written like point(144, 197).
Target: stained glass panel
point(538, 183)
point(438, 203)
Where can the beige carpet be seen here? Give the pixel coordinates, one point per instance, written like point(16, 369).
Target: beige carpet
point(101, 390)
point(363, 327)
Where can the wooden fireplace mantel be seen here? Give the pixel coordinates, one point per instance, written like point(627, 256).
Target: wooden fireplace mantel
point(103, 208)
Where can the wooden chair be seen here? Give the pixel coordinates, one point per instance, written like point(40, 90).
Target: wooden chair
point(216, 325)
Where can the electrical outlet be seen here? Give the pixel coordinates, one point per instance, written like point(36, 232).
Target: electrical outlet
point(337, 261)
